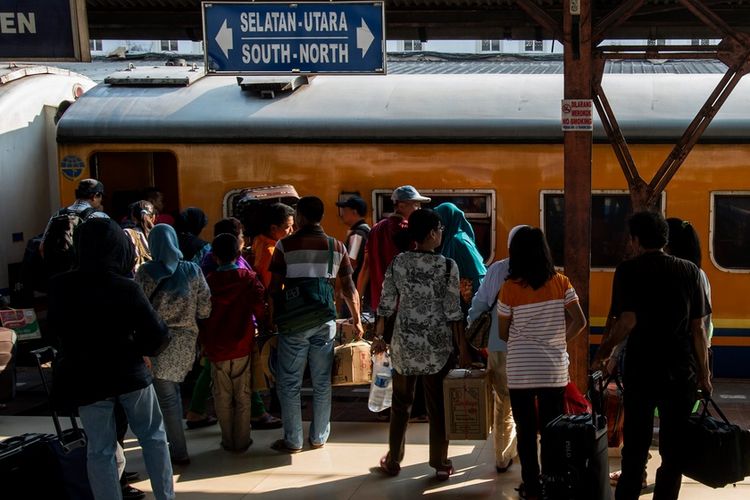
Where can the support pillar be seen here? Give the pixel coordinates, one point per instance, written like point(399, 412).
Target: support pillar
point(578, 69)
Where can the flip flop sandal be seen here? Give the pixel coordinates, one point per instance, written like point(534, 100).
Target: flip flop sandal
point(443, 473)
point(391, 470)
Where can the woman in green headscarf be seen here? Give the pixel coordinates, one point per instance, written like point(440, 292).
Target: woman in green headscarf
point(459, 245)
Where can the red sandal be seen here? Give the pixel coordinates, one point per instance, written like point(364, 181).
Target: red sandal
point(389, 469)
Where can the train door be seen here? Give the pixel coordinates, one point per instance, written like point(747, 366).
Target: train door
point(127, 175)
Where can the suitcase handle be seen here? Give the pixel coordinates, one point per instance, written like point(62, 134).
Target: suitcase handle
point(69, 440)
point(595, 392)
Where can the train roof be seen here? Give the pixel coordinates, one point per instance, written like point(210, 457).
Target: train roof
point(512, 107)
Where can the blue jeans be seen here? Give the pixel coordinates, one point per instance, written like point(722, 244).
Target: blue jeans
point(313, 347)
point(145, 420)
point(170, 402)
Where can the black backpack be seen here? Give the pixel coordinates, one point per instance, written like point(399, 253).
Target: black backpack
point(59, 242)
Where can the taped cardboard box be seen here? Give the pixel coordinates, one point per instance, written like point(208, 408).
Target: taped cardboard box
point(345, 330)
point(352, 364)
point(468, 407)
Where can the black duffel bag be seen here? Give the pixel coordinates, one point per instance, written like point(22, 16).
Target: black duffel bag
point(716, 452)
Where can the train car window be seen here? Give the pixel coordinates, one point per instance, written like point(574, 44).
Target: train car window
point(730, 231)
point(609, 226)
point(477, 204)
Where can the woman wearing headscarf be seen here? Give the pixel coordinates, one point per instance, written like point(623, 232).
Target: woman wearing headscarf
point(93, 370)
point(142, 218)
point(459, 245)
point(179, 293)
point(189, 225)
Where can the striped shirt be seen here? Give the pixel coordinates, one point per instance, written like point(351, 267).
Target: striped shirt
point(537, 349)
point(304, 254)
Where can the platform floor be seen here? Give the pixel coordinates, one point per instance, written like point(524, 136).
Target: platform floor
point(344, 469)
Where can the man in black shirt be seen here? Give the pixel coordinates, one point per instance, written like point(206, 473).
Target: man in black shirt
point(353, 212)
point(658, 303)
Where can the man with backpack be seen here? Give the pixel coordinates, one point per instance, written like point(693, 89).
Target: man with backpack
point(303, 267)
point(57, 248)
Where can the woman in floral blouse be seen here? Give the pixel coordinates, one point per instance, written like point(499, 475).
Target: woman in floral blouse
point(422, 289)
point(179, 293)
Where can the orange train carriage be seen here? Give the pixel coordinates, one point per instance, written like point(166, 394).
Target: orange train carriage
point(490, 143)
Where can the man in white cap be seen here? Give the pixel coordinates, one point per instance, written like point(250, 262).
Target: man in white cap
point(381, 245)
point(503, 427)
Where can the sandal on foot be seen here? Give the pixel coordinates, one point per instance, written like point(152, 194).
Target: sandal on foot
point(280, 445)
point(443, 473)
point(391, 470)
point(501, 470)
point(204, 422)
point(614, 478)
point(524, 494)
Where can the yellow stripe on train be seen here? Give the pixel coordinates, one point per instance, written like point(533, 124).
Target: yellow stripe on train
point(717, 340)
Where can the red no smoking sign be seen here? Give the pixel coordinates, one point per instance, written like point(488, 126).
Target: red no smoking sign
point(577, 114)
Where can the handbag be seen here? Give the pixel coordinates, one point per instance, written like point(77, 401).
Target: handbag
point(716, 452)
point(478, 332)
point(615, 410)
point(306, 303)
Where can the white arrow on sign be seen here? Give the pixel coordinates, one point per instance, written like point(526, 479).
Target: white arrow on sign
point(364, 38)
point(224, 39)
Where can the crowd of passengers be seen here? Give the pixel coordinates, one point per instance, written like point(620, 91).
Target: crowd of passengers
point(148, 296)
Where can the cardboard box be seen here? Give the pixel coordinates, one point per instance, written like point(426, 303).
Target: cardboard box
point(352, 364)
point(468, 407)
point(344, 331)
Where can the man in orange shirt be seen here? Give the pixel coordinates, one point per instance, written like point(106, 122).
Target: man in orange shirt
point(278, 224)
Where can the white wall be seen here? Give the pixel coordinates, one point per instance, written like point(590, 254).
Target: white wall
point(28, 195)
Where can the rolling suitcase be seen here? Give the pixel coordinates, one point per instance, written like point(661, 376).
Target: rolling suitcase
point(575, 464)
point(45, 465)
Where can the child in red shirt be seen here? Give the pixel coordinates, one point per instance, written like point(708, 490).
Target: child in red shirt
point(227, 338)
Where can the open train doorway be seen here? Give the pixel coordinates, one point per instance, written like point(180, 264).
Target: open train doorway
point(126, 176)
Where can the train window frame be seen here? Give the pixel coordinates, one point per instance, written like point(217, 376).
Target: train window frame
point(594, 192)
point(490, 213)
point(712, 231)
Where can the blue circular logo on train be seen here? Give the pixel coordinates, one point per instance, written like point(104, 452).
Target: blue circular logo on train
point(72, 167)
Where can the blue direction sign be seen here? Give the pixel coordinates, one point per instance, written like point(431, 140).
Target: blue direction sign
point(43, 30)
point(305, 37)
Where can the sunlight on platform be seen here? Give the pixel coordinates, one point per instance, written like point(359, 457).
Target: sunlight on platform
point(346, 468)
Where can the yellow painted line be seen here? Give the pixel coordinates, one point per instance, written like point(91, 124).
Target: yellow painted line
point(731, 323)
point(598, 320)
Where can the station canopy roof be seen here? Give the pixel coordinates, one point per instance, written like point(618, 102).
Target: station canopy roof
point(428, 19)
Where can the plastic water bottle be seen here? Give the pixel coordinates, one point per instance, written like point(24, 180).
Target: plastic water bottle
point(381, 389)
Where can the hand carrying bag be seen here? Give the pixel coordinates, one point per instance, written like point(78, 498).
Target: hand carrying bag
point(716, 452)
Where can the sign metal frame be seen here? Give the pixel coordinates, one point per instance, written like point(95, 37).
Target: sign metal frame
point(79, 41)
point(210, 72)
